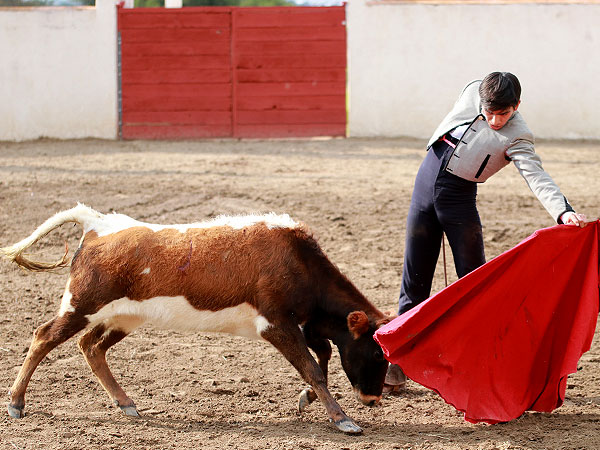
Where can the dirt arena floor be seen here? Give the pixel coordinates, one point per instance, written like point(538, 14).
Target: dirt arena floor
point(224, 392)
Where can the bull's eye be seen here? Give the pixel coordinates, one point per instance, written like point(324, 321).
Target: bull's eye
point(378, 355)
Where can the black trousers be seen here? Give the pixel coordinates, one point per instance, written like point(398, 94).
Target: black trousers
point(441, 203)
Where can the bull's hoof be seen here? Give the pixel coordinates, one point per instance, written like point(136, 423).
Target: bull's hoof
point(15, 412)
point(304, 400)
point(348, 426)
point(130, 411)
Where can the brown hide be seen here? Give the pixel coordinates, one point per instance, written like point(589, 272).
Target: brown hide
point(213, 268)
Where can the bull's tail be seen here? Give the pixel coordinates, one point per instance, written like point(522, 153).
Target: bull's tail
point(80, 214)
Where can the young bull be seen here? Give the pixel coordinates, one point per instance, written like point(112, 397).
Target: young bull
point(255, 276)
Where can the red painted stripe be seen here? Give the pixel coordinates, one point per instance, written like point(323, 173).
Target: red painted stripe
point(292, 102)
point(292, 117)
point(290, 61)
point(175, 62)
point(176, 132)
point(290, 17)
point(181, 90)
point(175, 48)
point(279, 131)
point(176, 76)
point(337, 33)
point(276, 89)
point(310, 48)
point(173, 19)
point(174, 103)
point(176, 35)
point(298, 75)
point(177, 117)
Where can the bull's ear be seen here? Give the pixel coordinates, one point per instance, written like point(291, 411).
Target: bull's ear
point(358, 323)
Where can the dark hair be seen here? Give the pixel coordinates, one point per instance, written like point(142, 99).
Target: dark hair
point(499, 90)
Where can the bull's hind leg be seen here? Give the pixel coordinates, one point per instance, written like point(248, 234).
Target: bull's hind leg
point(45, 338)
point(94, 344)
point(288, 339)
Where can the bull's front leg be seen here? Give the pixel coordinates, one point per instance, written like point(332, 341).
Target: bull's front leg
point(322, 349)
point(288, 339)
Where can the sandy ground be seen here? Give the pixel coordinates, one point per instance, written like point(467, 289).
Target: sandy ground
point(218, 391)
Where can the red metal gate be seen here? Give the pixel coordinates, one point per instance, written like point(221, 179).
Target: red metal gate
point(232, 72)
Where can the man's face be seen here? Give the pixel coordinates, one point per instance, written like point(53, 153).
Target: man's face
point(497, 119)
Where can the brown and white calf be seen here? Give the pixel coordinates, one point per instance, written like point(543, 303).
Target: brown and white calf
point(254, 276)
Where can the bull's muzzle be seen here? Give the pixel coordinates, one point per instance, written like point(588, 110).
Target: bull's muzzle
point(367, 400)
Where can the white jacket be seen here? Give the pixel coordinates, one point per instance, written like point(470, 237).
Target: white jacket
point(482, 152)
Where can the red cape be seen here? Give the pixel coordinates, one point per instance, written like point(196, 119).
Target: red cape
point(502, 340)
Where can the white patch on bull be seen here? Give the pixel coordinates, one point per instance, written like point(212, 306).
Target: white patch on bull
point(146, 271)
point(271, 220)
point(65, 303)
point(261, 324)
point(125, 324)
point(176, 313)
point(113, 223)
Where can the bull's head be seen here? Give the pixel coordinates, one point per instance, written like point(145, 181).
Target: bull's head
point(362, 358)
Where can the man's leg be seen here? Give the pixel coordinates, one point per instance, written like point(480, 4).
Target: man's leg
point(460, 220)
point(423, 239)
point(421, 252)
point(466, 242)
point(422, 248)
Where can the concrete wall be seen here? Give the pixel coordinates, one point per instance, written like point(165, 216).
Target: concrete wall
point(58, 72)
point(408, 61)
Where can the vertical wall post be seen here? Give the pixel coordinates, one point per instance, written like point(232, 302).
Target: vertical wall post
point(173, 3)
point(119, 10)
point(119, 88)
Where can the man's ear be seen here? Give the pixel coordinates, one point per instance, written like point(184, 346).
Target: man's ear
point(389, 317)
point(358, 323)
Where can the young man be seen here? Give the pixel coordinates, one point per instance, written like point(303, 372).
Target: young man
point(482, 133)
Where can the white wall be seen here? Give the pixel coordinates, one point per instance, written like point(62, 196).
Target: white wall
point(408, 63)
point(58, 72)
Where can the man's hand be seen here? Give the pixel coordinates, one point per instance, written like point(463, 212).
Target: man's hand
point(573, 218)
